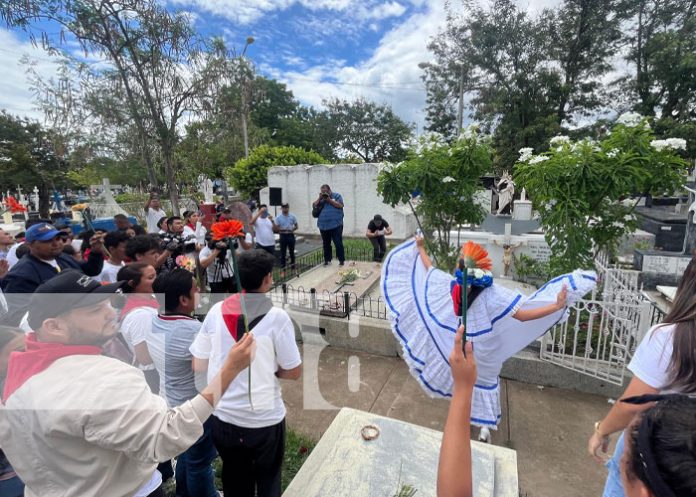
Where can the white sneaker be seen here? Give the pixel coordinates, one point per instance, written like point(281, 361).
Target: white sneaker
point(485, 435)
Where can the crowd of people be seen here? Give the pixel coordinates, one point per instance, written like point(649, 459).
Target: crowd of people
point(104, 385)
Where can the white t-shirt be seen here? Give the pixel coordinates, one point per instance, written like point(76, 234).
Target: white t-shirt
point(275, 347)
point(198, 233)
point(650, 362)
point(109, 272)
point(12, 255)
point(215, 271)
point(264, 232)
point(152, 216)
point(135, 327)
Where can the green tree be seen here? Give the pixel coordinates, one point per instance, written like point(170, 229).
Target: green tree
point(250, 174)
point(158, 66)
point(366, 129)
point(28, 157)
point(584, 190)
point(662, 51)
point(446, 177)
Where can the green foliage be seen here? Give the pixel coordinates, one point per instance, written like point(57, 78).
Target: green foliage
point(529, 270)
point(583, 189)
point(446, 177)
point(366, 129)
point(251, 174)
point(131, 198)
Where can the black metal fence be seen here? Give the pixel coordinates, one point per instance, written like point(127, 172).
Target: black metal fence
point(336, 304)
point(316, 258)
point(657, 315)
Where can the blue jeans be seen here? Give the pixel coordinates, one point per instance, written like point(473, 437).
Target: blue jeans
point(12, 487)
point(613, 487)
point(194, 473)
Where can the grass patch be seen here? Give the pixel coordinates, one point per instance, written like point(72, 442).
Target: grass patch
point(297, 449)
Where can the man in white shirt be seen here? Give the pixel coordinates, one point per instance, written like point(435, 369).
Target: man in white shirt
point(115, 242)
point(168, 340)
point(113, 431)
point(250, 440)
point(153, 213)
point(262, 222)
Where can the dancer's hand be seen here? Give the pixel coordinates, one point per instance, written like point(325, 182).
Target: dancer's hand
point(596, 443)
point(562, 297)
point(463, 366)
point(420, 241)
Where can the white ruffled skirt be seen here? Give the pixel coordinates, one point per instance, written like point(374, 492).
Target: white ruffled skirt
point(423, 320)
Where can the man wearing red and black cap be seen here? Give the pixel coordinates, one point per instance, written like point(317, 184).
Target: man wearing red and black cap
point(75, 422)
point(44, 261)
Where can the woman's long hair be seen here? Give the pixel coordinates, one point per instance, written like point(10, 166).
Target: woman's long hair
point(682, 365)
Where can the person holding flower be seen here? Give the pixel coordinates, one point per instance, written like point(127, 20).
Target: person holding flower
point(426, 307)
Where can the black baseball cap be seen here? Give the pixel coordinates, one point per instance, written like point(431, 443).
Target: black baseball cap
point(69, 290)
point(284, 205)
point(377, 218)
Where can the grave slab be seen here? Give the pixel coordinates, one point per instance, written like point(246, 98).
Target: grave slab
point(343, 463)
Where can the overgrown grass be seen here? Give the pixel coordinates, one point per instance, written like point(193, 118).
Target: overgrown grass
point(297, 449)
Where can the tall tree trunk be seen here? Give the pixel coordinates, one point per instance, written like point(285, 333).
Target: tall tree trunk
point(44, 201)
point(147, 159)
point(168, 159)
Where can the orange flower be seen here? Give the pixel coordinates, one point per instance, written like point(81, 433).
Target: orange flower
point(227, 229)
point(475, 256)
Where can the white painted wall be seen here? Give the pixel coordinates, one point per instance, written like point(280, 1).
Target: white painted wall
point(357, 183)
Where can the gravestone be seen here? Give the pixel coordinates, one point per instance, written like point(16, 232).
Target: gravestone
point(668, 226)
point(343, 463)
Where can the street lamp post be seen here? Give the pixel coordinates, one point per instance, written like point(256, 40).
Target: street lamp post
point(245, 131)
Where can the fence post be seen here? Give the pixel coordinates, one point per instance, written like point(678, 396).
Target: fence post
point(346, 304)
point(284, 287)
point(313, 298)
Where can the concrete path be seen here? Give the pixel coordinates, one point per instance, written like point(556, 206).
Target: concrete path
point(547, 427)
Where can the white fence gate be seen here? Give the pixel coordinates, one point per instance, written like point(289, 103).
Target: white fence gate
point(601, 334)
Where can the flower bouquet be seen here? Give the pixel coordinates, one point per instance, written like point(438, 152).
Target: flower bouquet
point(349, 276)
point(186, 263)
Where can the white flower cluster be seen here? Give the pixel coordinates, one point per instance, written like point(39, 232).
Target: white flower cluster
point(669, 143)
point(429, 141)
point(613, 153)
point(559, 140)
point(480, 273)
point(448, 179)
point(471, 131)
point(538, 158)
point(630, 119)
point(525, 154)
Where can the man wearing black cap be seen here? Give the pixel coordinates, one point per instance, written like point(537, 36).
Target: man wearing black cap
point(44, 261)
point(377, 231)
point(75, 422)
point(286, 224)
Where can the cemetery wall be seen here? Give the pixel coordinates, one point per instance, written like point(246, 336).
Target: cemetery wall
point(357, 183)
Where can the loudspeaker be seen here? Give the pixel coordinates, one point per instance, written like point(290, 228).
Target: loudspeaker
point(275, 196)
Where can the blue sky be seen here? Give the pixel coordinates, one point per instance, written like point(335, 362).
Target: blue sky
point(319, 48)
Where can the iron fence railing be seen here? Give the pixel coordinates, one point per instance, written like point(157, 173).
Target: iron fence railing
point(325, 303)
point(316, 258)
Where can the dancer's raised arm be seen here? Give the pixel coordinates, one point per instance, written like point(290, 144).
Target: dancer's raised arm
point(420, 243)
point(540, 312)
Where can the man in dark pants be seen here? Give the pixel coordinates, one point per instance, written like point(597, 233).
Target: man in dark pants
point(377, 231)
point(250, 439)
point(286, 224)
point(330, 223)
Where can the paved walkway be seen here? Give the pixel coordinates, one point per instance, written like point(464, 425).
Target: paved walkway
point(547, 427)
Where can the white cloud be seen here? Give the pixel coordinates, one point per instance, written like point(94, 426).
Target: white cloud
point(15, 97)
point(246, 12)
point(390, 75)
point(381, 11)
